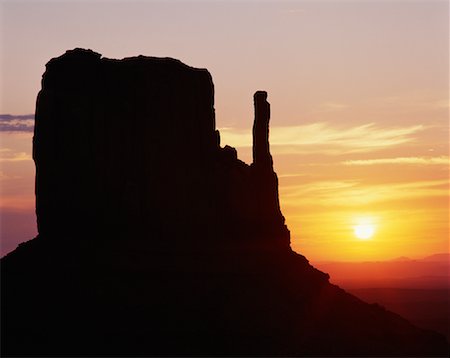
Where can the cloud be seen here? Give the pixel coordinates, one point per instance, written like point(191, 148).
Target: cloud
point(443, 103)
point(16, 123)
point(4, 176)
point(13, 116)
point(8, 155)
point(323, 138)
point(350, 193)
point(442, 160)
point(294, 11)
point(333, 106)
point(412, 101)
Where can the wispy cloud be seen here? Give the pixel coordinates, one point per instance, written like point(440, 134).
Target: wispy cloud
point(333, 106)
point(8, 155)
point(354, 194)
point(324, 138)
point(294, 11)
point(16, 123)
point(417, 101)
point(443, 103)
point(442, 160)
point(4, 176)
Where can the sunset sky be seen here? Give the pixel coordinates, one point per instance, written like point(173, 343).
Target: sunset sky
point(359, 94)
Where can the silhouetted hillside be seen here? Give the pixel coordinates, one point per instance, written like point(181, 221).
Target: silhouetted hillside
point(155, 240)
point(416, 289)
point(428, 308)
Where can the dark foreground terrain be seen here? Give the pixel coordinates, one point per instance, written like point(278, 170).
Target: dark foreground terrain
point(417, 289)
point(427, 308)
point(155, 240)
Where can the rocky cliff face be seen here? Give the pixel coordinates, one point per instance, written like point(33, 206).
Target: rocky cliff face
point(129, 149)
point(155, 240)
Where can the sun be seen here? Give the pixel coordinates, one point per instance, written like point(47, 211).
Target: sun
point(364, 231)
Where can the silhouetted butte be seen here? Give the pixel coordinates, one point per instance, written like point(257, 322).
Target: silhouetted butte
point(156, 240)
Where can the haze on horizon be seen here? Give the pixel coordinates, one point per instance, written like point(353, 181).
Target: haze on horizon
point(358, 91)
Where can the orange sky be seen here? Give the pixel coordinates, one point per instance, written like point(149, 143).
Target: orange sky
point(359, 95)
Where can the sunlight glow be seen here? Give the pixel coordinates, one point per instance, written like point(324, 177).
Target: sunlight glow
point(364, 228)
point(364, 231)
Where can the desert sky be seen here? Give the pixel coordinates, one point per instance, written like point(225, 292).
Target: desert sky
point(358, 90)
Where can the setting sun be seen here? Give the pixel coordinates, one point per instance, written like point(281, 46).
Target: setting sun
point(364, 231)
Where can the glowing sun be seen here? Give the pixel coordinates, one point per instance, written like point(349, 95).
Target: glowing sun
point(364, 231)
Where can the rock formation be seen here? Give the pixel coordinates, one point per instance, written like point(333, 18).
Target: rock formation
point(155, 240)
point(129, 148)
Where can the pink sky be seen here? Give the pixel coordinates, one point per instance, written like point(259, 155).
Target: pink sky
point(359, 95)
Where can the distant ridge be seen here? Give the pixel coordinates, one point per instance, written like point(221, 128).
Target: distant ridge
point(401, 259)
point(154, 240)
point(435, 257)
point(438, 257)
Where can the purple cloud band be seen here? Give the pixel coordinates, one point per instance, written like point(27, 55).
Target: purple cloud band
point(16, 123)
